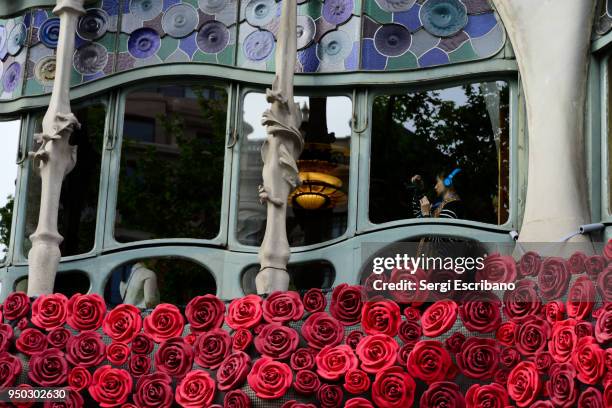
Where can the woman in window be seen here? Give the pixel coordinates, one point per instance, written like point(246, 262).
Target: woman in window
point(449, 204)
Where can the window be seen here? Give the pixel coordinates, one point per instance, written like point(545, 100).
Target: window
point(302, 276)
point(461, 132)
point(171, 178)
point(67, 283)
point(79, 197)
point(9, 140)
point(317, 210)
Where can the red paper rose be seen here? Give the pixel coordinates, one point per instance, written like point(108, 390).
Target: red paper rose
point(330, 396)
point(607, 250)
point(529, 264)
point(581, 298)
point(442, 394)
point(358, 403)
point(404, 352)
point(334, 362)
point(478, 358)
point(584, 329)
point(439, 318)
point(376, 352)
point(282, 307)
point(10, 369)
point(410, 331)
point(86, 349)
point(269, 379)
point(393, 388)
point(356, 381)
point(414, 297)
point(22, 323)
point(480, 312)
point(86, 312)
point(523, 301)
point(353, 338)
point(454, 342)
point(380, 317)
point(554, 311)
point(211, 348)
point(591, 398)
point(346, 304)
point(506, 333)
point(295, 404)
point(430, 362)
point(79, 378)
point(30, 342)
point(49, 311)
point(485, 396)
point(532, 335)
point(306, 382)
point(142, 344)
point(139, 364)
point(412, 314)
point(117, 353)
point(603, 327)
point(589, 360)
point(174, 357)
point(497, 269)
point(233, 371)
point(154, 390)
point(122, 323)
point(524, 384)
point(165, 322)
point(241, 339)
point(110, 386)
point(604, 284)
point(594, 265)
point(320, 330)
point(6, 336)
point(577, 262)
point(554, 278)
point(303, 359)
point(236, 399)
point(16, 306)
point(563, 340)
point(204, 313)
point(244, 313)
point(277, 342)
point(543, 360)
point(314, 300)
point(73, 400)
point(561, 385)
point(509, 357)
point(48, 368)
point(58, 337)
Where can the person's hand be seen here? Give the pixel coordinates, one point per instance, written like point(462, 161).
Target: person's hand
point(425, 206)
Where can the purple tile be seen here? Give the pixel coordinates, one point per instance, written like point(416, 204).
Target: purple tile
point(409, 19)
point(452, 43)
point(79, 42)
point(124, 61)
point(308, 59)
point(480, 24)
point(477, 6)
point(370, 58)
point(39, 17)
point(169, 3)
point(352, 61)
point(189, 45)
point(432, 57)
point(337, 11)
point(369, 27)
point(27, 19)
point(87, 78)
point(111, 7)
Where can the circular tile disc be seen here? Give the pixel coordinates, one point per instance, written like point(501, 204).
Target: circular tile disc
point(212, 7)
point(90, 59)
point(258, 45)
point(16, 39)
point(93, 25)
point(306, 30)
point(49, 32)
point(146, 9)
point(2, 36)
point(213, 37)
point(11, 77)
point(44, 70)
point(443, 18)
point(392, 40)
point(261, 12)
point(180, 20)
point(334, 47)
point(395, 6)
point(337, 11)
point(143, 42)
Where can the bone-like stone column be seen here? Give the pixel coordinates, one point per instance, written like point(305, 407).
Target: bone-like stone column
point(551, 39)
point(56, 156)
point(279, 152)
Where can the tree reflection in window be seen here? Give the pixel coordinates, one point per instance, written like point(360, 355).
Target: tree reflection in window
point(171, 177)
point(426, 132)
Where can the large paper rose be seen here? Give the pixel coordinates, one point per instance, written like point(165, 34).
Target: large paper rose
point(410, 331)
point(480, 312)
point(380, 317)
point(594, 265)
point(174, 357)
point(576, 262)
point(430, 362)
point(31, 341)
point(303, 359)
point(529, 264)
point(604, 284)
point(204, 313)
point(242, 339)
point(506, 333)
point(356, 381)
point(49, 311)
point(282, 307)
point(358, 403)
point(439, 318)
point(591, 398)
point(86, 349)
point(330, 396)
point(58, 337)
point(142, 344)
point(154, 390)
point(414, 297)
point(524, 384)
point(561, 385)
point(277, 342)
point(110, 386)
point(306, 382)
point(320, 330)
point(393, 388)
point(523, 301)
point(497, 269)
point(554, 278)
point(589, 360)
point(563, 340)
point(532, 335)
point(269, 379)
point(478, 358)
point(603, 327)
point(554, 311)
point(86, 312)
point(236, 399)
point(122, 323)
point(233, 371)
point(10, 369)
point(79, 378)
point(139, 364)
point(244, 313)
point(442, 394)
point(346, 304)
point(353, 338)
point(117, 353)
point(165, 322)
point(16, 306)
point(486, 396)
point(376, 352)
point(334, 362)
point(581, 298)
point(314, 300)
point(211, 348)
point(584, 329)
point(48, 368)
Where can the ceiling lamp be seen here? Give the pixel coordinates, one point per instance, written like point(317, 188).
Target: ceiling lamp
point(317, 191)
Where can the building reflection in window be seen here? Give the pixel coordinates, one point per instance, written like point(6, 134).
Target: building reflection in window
point(317, 210)
point(302, 275)
point(9, 139)
point(171, 178)
point(79, 197)
point(432, 133)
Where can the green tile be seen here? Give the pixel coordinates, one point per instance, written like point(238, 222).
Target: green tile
point(192, 2)
point(464, 53)
point(32, 87)
point(226, 57)
point(271, 63)
point(406, 61)
point(168, 46)
point(378, 14)
point(123, 43)
point(108, 41)
point(75, 78)
point(310, 8)
point(204, 57)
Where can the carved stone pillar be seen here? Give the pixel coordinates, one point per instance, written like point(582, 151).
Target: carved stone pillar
point(551, 40)
point(280, 152)
point(56, 156)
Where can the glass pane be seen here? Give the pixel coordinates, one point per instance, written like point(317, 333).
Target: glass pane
point(317, 210)
point(79, 197)
point(171, 179)
point(447, 137)
point(302, 276)
point(9, 141)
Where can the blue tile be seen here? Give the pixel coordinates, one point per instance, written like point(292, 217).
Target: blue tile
point(189, 44)
point(435, 56)
point(308, 59)
point(409, 19)
point(480, 24)
point(370, 58)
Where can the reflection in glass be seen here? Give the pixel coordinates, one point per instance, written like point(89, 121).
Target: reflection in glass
point(302, 275)
point(79, 197)
point(317, 210)
point(9, 140)
point(432, 133)
point(171, 179)
point(67, 283)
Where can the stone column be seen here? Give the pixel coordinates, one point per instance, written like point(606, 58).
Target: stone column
point(280, 152)
point(551, 39)
point(56, 156)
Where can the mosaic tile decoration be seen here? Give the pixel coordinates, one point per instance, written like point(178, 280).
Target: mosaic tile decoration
point(603, 23)
point(13, 50)
point(412, 34)
point(328, 35)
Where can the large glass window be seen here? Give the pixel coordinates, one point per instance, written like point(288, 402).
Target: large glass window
point(9, 140)
point(171, 179)
point(455, 140)
point(317, 210)
point(79, 197)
